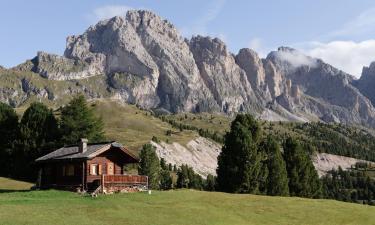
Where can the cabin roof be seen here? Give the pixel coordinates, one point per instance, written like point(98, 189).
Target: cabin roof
point(94, 149)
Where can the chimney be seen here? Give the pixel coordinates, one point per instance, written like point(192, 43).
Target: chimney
point(82, 145)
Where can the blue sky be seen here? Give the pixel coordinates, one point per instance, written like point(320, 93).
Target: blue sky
point(341, 32)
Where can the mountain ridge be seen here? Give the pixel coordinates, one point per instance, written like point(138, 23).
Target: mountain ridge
point(142, 59)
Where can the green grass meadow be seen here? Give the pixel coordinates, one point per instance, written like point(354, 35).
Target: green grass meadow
point(172, 207)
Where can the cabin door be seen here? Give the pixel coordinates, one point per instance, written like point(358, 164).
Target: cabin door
point(110, 168)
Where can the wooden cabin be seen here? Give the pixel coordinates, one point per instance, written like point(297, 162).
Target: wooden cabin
point(87, 167)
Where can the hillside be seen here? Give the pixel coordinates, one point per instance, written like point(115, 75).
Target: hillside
point(135, 127)
point(334, 138)
point(7, 184)
point(179, 142)
point(176, 207)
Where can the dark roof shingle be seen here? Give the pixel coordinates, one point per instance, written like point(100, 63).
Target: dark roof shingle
point(72, 152)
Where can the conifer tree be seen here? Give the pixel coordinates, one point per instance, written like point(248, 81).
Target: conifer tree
point(303, 178)
point(149, 165)
point(38, 134)
point(8, 135)
point(239, 162)
point(210, 183)
point(277, 179)
point(78, 121)
point(38, 130)
point(165, 180)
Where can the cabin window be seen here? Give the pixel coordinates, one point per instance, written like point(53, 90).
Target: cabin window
point(94, 169)
point(68, 170)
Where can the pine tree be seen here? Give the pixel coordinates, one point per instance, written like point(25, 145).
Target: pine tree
point(210, 183)
point(183, 177)
point(78, 121)
point(165, 180)
point(303, 178)
point(149, 165)
point(239, 162)
point(277, 179)
point(38, 129)
point(8, 135)
point(38, 135)
point(187, 178)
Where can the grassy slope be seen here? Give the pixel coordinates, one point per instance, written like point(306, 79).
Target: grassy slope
point(176, 207)
point(9, 184)
point(134, 127)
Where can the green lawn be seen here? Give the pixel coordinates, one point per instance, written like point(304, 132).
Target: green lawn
point(176, 207)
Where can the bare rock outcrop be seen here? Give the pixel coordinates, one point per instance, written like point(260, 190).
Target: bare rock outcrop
point(200, 154)
point(227, 82)
point(324, 162)
point(366, 83)
point(55, 67)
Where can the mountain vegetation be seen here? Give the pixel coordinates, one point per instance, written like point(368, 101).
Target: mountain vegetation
point(78, 120)
point(355, 185)
point(40, 132)
point(334, 138)
point(245, 165)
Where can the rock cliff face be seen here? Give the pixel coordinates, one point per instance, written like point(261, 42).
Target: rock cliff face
point(366, 83)
point(142, 59)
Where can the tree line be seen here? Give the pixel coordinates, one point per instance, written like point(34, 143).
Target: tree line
point(41, 130)
point(353, 185)
point(251, 164)
point(164, 177)
point(246, 164)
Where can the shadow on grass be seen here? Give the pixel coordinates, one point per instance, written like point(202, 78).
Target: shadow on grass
point(10, 191)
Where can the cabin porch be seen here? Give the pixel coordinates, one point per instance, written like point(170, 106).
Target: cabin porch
point(122, 183)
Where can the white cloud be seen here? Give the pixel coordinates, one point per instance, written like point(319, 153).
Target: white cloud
point(364, 23)
point(348, 56)
point(295, 58)
point(199, 26)
point(108, 11)
point(256, 44)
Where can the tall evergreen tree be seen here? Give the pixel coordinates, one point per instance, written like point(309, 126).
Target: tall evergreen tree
point(37, 136)
point(277, 179)
point(187, 178)
point(303, 178)
point(78, 121)
point(239, 162)
point(149, 165)
point(38, 129)
point(8, 135)
point(165, 180)
point(210, 183)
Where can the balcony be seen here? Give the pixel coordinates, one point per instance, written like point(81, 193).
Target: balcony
point(123, 183)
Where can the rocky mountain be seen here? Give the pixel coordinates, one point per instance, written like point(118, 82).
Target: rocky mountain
point(142, 59)
point(366, 83)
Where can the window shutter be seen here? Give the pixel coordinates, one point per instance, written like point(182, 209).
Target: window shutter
point(100, 169)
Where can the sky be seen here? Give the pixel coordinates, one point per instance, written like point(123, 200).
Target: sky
point(341, 32)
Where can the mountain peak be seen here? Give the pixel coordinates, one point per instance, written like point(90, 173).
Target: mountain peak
point(288, 59)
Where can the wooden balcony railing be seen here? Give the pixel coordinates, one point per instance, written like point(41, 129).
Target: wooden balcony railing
point(111, 183)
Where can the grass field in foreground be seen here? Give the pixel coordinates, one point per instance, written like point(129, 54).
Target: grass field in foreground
point(176, 207)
